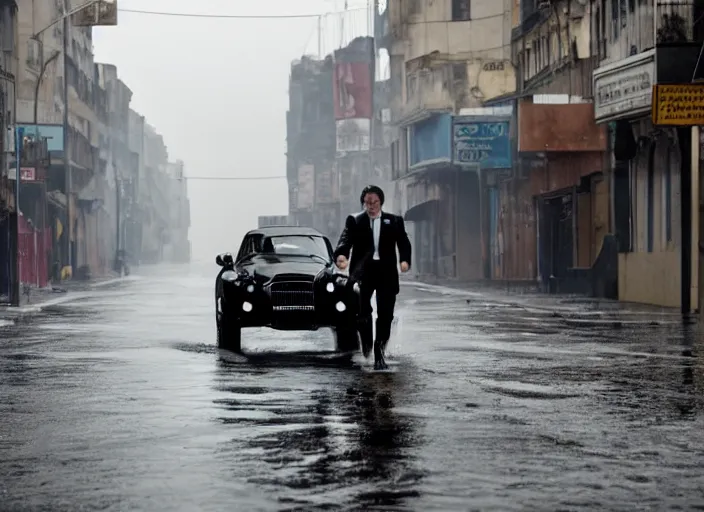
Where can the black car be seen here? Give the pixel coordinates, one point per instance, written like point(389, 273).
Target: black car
point(284, 277)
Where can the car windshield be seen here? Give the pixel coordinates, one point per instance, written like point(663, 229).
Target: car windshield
point(297, 244)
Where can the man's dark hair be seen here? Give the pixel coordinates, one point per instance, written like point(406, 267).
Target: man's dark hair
point(372, 189)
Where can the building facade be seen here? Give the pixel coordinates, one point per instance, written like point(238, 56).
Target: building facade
point(178, 249)
point(555, 203)
point(310, 142)
point(75, 218)
point(637, 46)
point(154, 198)
point(338, 136)
point(9, 83)
point(447, 58)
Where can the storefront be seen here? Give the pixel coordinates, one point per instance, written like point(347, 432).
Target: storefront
point(423, 215)
point(547, 212)
point(482, 152)
point(645, 182)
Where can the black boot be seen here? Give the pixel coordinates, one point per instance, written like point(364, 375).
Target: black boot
point(366, 335)
point(379, 361)
point(383, 333)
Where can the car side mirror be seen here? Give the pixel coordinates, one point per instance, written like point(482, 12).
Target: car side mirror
point(224, 260)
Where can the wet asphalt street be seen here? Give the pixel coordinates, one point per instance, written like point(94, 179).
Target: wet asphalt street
point(118, 400)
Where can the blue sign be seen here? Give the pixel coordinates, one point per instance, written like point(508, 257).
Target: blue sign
point(482, 144)
point(54, 134)
point(430, 140)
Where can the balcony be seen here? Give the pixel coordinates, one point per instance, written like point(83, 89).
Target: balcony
point(533, 13)
point(82, 152)
point(429, 91)
point(624, 33)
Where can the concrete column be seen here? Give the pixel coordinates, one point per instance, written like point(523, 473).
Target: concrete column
point(696, 202)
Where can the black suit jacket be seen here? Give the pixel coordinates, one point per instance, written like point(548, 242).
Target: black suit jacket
point(357, 237)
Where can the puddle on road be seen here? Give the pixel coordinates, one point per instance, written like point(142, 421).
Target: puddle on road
point(518, 389)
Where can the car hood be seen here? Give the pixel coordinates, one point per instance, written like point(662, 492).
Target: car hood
point(266, 267)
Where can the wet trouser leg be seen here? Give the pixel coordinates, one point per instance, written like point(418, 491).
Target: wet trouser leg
point(366, 332)
point(385, 304)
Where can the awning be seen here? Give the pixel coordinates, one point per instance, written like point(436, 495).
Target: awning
point(422, 211)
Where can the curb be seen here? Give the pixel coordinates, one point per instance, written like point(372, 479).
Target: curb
point(568, 316)
point(9, 315)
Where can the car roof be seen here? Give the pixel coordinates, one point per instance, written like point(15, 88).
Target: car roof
point(285, 230)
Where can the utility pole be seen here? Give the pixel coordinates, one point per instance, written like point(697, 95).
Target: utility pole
point(67, 160)
point(17, 281)
point(118, 198)
point(320, 37)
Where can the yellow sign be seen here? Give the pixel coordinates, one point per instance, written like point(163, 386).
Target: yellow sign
point(678, 105)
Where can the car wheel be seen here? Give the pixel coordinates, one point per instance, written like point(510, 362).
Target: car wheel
point(346, 339)
point(229, 334)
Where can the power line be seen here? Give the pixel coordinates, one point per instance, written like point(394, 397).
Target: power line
point(232, 178)
point(236, 16)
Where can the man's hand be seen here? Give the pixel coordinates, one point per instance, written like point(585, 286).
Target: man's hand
point(404, 266)
point(341, 262)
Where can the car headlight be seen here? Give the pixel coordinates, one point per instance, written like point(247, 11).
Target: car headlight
point(330, 287)
point(229, 276)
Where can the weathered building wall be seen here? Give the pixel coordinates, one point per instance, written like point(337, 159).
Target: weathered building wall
point(650, 176)
point(32, 17)
point(655, 221)
point(311, 171)
point(445, 59)
point(517, 230)
point(560, 149)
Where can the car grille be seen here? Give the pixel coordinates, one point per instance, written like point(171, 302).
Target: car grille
point(292, 296)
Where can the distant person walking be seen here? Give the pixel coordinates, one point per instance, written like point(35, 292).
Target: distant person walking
point(372, 237)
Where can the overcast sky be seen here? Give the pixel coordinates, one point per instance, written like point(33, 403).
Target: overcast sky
point(216, 89)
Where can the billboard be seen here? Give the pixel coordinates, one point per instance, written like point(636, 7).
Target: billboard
point(352, 90)
point(100, 13)
point(481, 143)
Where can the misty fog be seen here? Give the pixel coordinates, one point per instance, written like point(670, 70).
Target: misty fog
point(216, 89)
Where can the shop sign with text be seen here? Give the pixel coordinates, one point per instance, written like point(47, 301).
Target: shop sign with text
point(624, 90)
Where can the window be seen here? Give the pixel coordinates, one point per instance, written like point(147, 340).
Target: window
point(33, 54)
point(297, 245)
point(8, 28)
point(545, 49)
point(461, 10)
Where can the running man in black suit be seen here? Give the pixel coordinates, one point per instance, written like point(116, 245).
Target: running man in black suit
point(372, 236)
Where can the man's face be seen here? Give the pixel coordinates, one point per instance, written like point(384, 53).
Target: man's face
point(372, 204)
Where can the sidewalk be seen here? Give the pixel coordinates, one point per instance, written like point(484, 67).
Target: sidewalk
point(574, 310)
point(39, 299)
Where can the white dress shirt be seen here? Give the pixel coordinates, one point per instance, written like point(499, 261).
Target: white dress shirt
point(376, 230)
